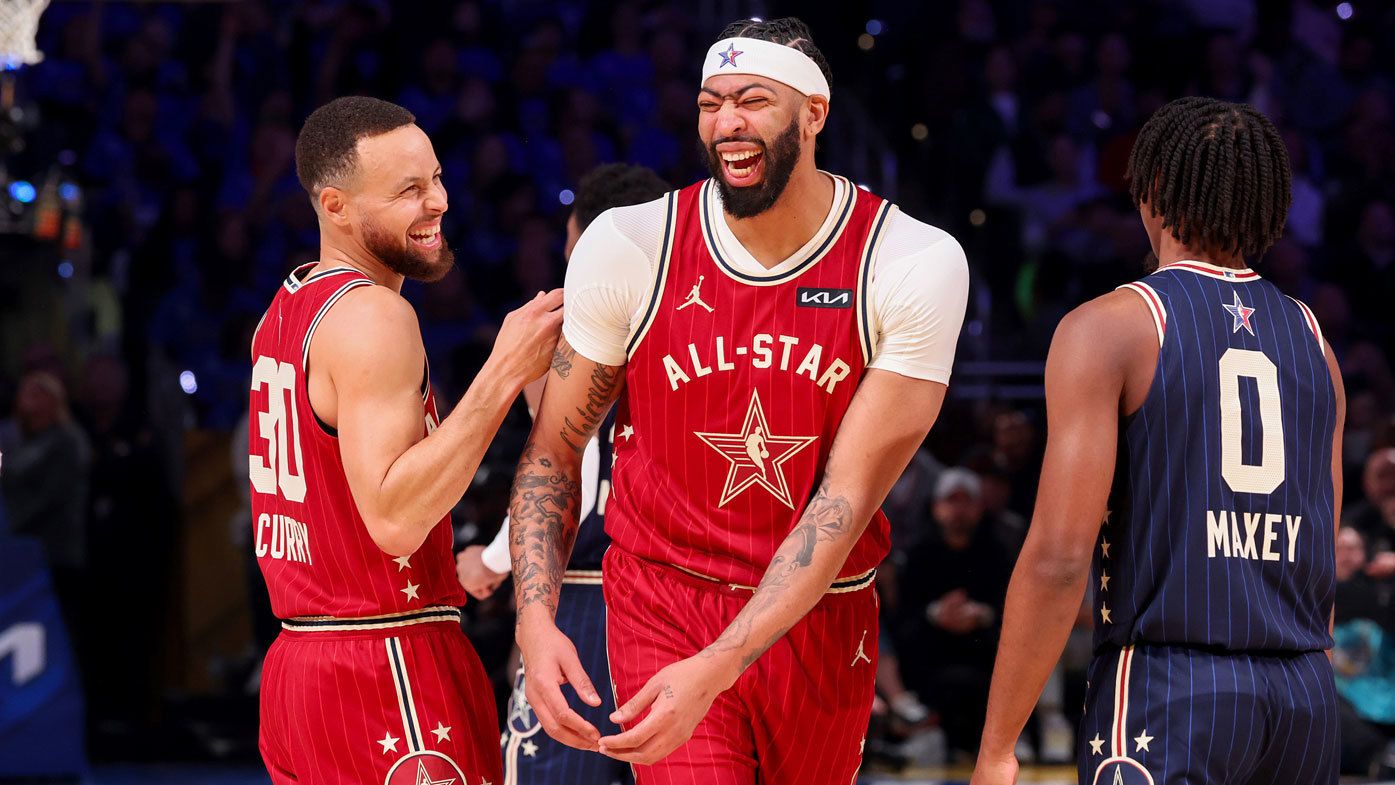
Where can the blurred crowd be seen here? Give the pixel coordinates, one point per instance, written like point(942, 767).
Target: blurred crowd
point(1006, 122)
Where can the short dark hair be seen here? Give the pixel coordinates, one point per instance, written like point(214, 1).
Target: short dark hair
point(615, 185)
point(1217, 173)
point(326, 151)
point(787, 31)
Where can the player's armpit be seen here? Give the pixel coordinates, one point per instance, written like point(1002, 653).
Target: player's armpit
point(868, 455)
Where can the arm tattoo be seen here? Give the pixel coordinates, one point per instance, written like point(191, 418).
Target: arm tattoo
point(542, 528)
point(825, 519)
point(606, 381)
point(545, 499)
point(562, 358)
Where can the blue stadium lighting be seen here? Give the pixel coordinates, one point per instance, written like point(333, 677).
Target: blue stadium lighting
point(874, 27)
point(65, 269)
point(188, 383)
point(22, 191)
point(566, 196)
point(1344, 11)
point(69, 192)
point(757, 19)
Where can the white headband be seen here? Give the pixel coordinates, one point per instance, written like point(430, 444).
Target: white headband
point(765, 58)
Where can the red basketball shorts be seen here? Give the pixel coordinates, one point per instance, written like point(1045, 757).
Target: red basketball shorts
point(398, 704)
point(797, 716)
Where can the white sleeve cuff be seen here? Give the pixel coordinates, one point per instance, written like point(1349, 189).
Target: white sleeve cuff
point(905, 367)
point(496, 553)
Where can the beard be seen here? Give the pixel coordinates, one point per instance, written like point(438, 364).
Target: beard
point(779, 159)
point(402, 258)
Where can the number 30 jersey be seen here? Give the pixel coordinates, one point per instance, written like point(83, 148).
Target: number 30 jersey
point(310, 541)
point(1220, 530)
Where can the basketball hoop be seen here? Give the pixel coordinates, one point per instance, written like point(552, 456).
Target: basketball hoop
point(19, 25)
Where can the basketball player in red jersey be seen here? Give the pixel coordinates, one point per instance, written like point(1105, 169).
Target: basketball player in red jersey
point(783, 340)
point(353, 473)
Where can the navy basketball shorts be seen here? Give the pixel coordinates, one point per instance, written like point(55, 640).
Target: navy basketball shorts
point(1172, 715)
point(531, 757)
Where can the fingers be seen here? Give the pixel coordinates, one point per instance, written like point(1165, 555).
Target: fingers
point(645, 743)
point(576, 676)
point(635, 706)
point(556, 717)
point(549, 301)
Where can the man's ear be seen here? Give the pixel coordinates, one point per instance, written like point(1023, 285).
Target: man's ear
point(815, 114)
point(334, 206)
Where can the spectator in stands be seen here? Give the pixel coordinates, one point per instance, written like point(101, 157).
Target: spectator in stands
point(44, 482)
point(1374, 516)
point(951, 600)
point(1363, 657)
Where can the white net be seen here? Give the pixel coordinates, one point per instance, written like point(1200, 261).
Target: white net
point(19, 24)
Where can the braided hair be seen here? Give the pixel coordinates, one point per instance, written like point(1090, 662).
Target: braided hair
point(1216, 172)
point(786, 31)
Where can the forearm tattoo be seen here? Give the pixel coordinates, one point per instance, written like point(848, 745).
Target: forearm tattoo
point(546, 496)
point(825, 519)
point(542, 528)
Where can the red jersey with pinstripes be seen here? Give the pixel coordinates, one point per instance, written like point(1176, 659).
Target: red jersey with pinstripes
point(310, 541)
point(735, 388)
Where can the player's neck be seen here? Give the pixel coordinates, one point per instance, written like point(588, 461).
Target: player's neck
point(333, 255)
point(774, 235)
point(1171, 250)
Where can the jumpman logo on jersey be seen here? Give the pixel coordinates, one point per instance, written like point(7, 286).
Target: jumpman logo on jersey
point(695, 297)
point(756, 455)
point(861, 651)
point(1242, 314)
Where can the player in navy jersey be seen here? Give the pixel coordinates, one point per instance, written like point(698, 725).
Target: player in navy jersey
point(1192, 481)
point(530, 756)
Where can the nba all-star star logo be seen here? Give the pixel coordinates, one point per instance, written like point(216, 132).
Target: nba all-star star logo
point(729, 56)
point(1242, 314)
point(426, 768)
point(757, 456)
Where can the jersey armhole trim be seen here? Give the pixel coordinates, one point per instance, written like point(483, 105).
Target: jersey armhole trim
point(325, 428)
point(1312, 322)
point(660, 275)
point(320, 315)
point(1154, 303)
point(864, 279)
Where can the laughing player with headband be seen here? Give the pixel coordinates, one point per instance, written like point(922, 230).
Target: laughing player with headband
point(741, 607)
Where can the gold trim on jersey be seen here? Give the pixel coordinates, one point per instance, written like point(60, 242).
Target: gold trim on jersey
point(846, 585)
point(387, 621)
point(585, 577)
point(709, 237)
point(656, 295)
point(864, 278)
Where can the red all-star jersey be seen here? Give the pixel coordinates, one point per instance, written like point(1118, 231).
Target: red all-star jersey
point(311, 542)
point(734, 390)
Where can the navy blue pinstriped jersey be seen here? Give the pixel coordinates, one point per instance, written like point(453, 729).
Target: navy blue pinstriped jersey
point(591, 539)
point(1220, 530)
